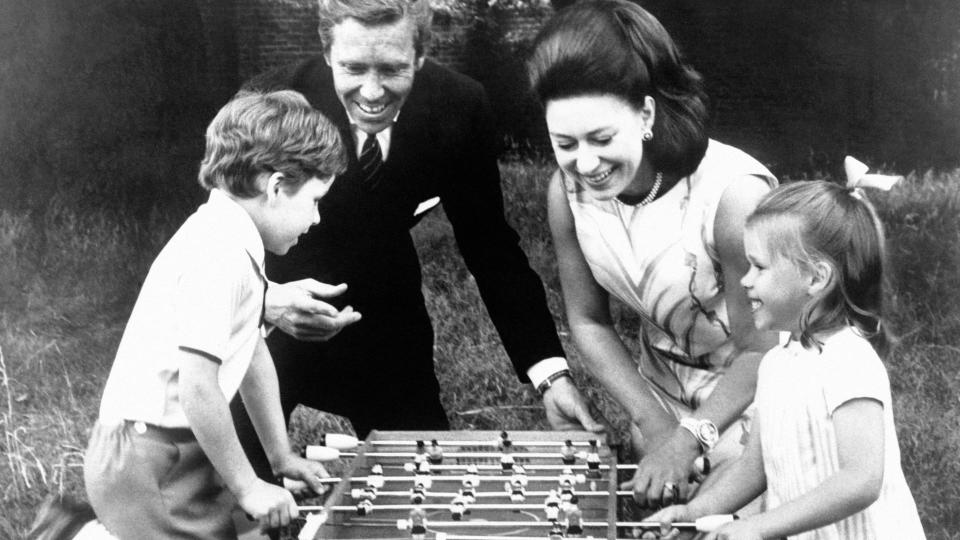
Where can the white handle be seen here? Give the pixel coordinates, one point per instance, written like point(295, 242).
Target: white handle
point(321, 453)
point(340, 441)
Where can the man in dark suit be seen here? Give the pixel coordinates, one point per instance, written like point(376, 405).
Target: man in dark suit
point(415, 131)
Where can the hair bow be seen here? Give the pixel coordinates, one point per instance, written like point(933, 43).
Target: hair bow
point(857, 176)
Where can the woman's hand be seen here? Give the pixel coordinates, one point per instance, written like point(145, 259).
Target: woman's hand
point(663, 474)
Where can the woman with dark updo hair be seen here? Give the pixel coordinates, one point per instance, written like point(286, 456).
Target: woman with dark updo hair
point(646, 208)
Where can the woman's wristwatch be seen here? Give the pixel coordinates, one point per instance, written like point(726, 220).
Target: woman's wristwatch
point(704, 431)
point(548, 382)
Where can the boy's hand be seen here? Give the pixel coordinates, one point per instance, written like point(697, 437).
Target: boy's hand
point(306, 470)
point(272, 506)
point(297, 308)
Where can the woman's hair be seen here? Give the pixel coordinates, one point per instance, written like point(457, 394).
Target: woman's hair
point(809, 222)
point(375, 13)
point(258, 133)
point(614, 47)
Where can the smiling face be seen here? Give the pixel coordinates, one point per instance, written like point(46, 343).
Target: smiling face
point(373, 70)
point(290, 212)
point(777, 288)
point(597, 140)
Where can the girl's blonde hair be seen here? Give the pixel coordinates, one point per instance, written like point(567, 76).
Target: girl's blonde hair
point(818, 221)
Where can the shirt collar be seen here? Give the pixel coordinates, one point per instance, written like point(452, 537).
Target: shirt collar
point(383, 137)
point(231, 216)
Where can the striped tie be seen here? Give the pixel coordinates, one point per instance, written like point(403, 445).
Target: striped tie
point(371, 161)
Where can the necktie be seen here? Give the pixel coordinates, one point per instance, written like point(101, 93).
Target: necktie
point(371, 162)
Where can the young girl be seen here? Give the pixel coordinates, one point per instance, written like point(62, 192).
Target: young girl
point(823, 444)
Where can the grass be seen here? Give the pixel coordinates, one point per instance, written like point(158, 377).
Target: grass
point(68, 279)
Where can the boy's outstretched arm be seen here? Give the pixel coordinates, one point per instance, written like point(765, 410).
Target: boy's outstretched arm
point(209, 415)
point(260, 391)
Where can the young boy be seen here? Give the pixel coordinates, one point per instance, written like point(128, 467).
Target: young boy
point(164, 459)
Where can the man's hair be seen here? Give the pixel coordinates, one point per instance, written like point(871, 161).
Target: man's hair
point(614, 47)
point(258, 133)
point(376, 13)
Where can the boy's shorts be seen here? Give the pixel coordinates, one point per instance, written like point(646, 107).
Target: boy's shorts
point(146, 482)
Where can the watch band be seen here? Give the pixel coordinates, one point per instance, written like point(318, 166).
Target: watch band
point(548, 382)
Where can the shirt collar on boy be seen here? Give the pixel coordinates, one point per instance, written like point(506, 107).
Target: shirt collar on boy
point(231, 214)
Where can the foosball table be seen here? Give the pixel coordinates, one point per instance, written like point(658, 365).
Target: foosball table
point(475, 485)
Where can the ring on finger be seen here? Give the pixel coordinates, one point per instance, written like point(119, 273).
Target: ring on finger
point(670, 487)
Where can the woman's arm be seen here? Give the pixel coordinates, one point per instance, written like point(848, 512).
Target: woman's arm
point(858, 424)
point(735, 390)
point(605, 355)
point(734, 487)
point(588, 313)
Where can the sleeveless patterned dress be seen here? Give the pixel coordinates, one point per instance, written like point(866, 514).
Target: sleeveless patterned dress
point(661, 261)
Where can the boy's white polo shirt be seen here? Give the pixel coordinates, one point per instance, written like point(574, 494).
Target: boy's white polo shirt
point(204, 293)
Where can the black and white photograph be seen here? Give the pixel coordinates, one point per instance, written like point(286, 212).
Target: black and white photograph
point(479, 269)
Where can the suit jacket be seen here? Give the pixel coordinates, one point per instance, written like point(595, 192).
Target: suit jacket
point(442, 144)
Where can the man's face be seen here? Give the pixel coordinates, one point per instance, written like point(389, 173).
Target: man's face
point(373, 70)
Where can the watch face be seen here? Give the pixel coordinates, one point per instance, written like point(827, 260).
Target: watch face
point(708, 433)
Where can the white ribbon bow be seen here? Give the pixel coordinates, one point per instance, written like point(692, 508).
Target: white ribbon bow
point(857, 176)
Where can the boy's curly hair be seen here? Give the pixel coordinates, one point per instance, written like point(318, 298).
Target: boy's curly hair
point(257, 133)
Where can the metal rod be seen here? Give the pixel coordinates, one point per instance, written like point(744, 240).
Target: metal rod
point(682, 525)
point(385, 507)
point(489, 442)
point(462, 455)
point(530, 467)
point(450, 478)
point(497, 494)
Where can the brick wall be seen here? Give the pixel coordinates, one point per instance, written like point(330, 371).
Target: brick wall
point(218, 18)
point(788, 81)
point(270, 33)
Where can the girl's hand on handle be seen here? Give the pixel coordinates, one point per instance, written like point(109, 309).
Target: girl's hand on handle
point(736, 530)
point(670, 515)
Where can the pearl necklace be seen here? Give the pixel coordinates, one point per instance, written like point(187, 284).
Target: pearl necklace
point(652, 194)
point(654, 190)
